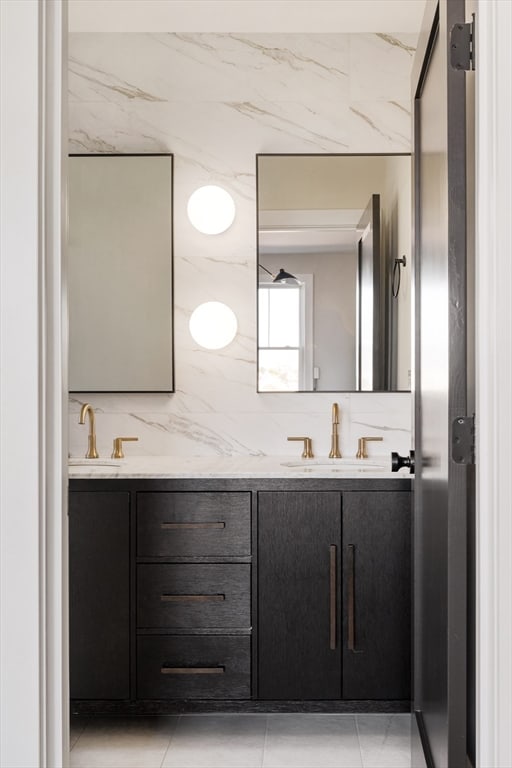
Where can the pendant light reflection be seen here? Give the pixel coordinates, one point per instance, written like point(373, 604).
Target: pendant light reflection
point(213, 325)
point(282, 276)
point(211, 210)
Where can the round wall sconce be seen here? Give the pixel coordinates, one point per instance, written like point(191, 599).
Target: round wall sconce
point(213, 325)
point(211, 209)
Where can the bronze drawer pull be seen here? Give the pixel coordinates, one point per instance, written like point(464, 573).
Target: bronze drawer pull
point(192, 598)
point(332, 598)
point(178, 526)
point(192, 670)
point(351, 623)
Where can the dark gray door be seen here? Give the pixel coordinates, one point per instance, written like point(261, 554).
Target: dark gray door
point(441, 485)
point(369, 325)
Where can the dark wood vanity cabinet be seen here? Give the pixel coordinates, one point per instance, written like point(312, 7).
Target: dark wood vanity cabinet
point(99, 594)
point(334, 595)
point(187, 593)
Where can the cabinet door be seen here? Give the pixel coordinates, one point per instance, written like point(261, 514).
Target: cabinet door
point(377, 595)
point(99, 594)
point(299, 540)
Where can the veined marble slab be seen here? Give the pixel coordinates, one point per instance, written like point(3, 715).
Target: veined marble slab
point(216, 99)
point(235, 467)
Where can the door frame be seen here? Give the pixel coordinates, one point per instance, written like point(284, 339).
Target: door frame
point(494, 363)
point(34, 698)
point(493, 367)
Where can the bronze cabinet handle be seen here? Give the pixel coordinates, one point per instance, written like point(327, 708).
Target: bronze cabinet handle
point(332, 597)
point(192, 598)
point(351, 623)
point(183, 526)
point(192, 670)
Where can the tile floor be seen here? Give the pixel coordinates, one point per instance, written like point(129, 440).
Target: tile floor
point(242, 741)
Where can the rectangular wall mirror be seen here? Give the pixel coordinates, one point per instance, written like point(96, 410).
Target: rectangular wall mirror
point(339, 226)
point(120, 273)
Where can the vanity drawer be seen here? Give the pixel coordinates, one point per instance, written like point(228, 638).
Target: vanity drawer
point(187, 596)
point(193, 524)
point(193, 667)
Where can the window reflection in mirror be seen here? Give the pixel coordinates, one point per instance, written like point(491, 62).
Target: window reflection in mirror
point(281, 343)
point(336, 223)
point(120, 273)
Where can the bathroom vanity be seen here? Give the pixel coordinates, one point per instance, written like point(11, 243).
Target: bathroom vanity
point(259, 590)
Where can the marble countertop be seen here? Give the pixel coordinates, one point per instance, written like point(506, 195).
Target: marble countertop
point(232, 466)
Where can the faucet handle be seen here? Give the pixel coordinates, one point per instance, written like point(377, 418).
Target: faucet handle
point(307, 453)
point(117, 453)
point(361, 446)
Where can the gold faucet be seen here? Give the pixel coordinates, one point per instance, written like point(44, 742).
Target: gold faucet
point(361, 446)
point(92, 453)
point(307, 453)
point(335, 452)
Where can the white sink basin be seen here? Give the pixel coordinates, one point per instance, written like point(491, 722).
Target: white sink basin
point(334, 465)
point(93, 463)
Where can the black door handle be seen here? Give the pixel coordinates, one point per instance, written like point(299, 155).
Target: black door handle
point(397, 462)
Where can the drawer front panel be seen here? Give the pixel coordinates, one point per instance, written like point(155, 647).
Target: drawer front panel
point(199, 667)
point(193, 524)
point(187, 596)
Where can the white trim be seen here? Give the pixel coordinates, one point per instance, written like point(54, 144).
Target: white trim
point(55, 405)
point(298, 219)
point(33, 654)
point(307, 380)
point(494, 375)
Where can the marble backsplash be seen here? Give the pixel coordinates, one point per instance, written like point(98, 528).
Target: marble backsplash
point(215, 101)
point(168, 426)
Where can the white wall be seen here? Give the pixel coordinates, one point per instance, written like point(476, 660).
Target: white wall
point(215, 101)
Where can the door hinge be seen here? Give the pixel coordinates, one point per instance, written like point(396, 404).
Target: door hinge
point(463, 440)
point(462, 46)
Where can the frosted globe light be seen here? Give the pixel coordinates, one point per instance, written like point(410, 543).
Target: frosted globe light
point(211, 209)
point(213, 325)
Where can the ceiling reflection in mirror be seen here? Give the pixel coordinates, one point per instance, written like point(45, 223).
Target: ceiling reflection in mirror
point(335, 224)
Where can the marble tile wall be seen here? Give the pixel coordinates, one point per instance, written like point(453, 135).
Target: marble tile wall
point(215, 101)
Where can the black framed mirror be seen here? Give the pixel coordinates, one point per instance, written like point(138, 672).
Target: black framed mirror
point(120, 273)
point(335, 224)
